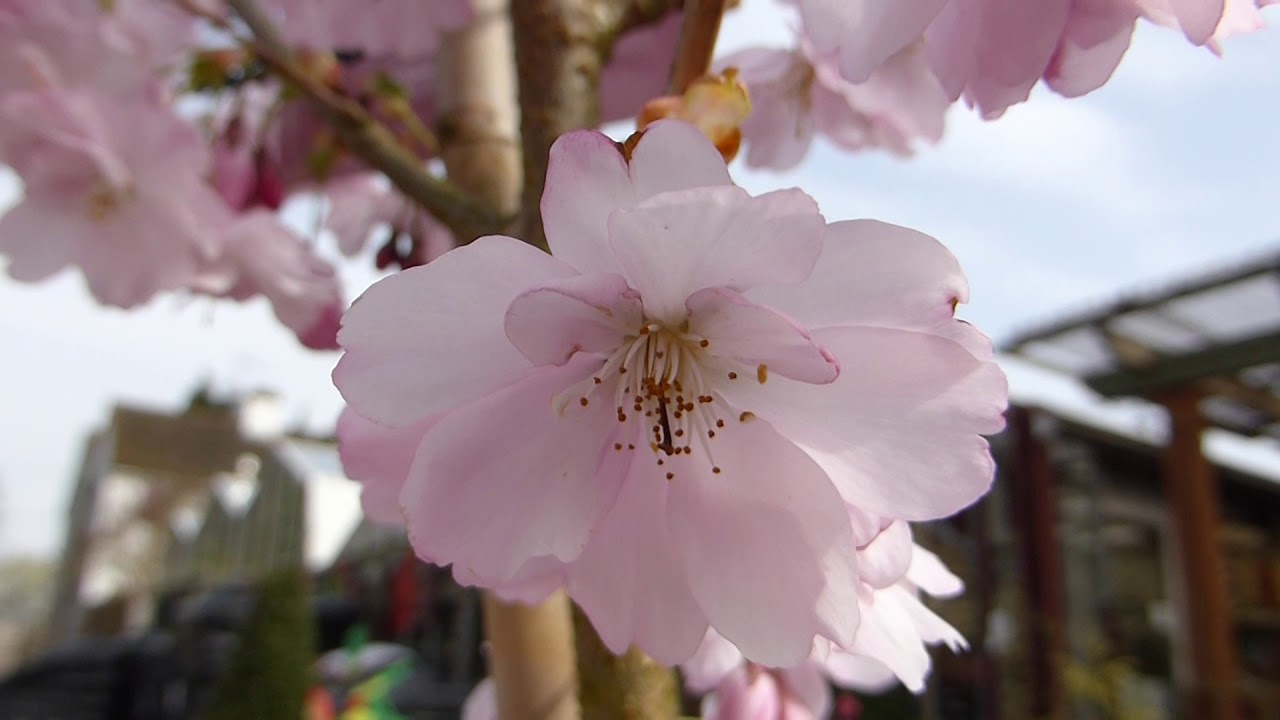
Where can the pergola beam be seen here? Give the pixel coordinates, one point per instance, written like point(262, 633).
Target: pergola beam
point(1178, 370)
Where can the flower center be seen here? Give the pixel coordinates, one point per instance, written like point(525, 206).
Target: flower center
point(104, 199)
point(659, 379)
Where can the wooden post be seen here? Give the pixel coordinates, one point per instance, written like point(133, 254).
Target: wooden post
point(532, 658)
point(1034, 508)
point(531, 650)
point(1192, 492)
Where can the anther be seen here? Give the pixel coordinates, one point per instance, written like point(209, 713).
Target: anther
point(704, 343)
point(732, 375)
point(617, 446)
point(715, 470)
point(670, 476)
point(582, 401)
point(719, 423)
point(596, 380)
point(746, 416)
point(762, 373)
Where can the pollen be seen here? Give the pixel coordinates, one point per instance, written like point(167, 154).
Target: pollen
point(659, 374)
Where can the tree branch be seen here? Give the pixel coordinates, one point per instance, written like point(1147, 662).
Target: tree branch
point(364, 136)
point(560, 47)
point(697, 42)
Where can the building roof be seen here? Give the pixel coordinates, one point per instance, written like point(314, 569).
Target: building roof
point(1218, 332)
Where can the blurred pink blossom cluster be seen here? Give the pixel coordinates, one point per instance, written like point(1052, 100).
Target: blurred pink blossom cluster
point(145, 191)
point(882, 73)
point(704, 412)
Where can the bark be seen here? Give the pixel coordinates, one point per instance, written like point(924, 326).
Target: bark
point(531, 653)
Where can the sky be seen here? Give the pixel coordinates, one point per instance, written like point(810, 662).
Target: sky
point(1059, 205)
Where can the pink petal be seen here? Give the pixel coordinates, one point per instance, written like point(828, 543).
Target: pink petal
point(628, 580)
point(424, 340)
point(932, 628)
point(531, 584)
point(873, 273)
point(967, 335)
point(1095, 39)
point(754, 335)
point(537, 494)
point(587, 179)
point(1003, 46)
point(1198, 18)
point(740, 697)
point(901, 101)
point(591, 313)
point(674, 155)
point(269, 259)
point(680, 242)
point(767, 537)
point(927, 572)
point(807, 692)
point(35, 239)
point(378, 457)
point(865, 32)
point(866, 526)
point(631, 78)
point(884, 561)
point(357, 205)
point(888, 634)
point(482, 702)
point(149, 244)
point(899, 431)
point(714, 659)
point(780, 128)
point(859, 672)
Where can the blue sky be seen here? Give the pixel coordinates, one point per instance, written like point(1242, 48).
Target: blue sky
point(1168, 169)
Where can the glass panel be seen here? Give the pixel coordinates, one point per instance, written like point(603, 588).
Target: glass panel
point(1082, 351)
point(1231, 312)
point(1153, 330)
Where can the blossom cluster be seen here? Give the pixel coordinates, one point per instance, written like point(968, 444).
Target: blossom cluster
point(882, 73)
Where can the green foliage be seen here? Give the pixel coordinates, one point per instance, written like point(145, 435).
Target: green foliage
point(271, 672)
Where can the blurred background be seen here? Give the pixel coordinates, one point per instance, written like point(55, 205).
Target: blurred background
point(168, 478)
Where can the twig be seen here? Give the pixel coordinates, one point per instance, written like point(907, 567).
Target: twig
point(697, 42)
point(363, 135)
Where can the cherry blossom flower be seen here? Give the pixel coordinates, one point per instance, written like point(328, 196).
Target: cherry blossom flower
point(263, 257)
point(736, 688)
point(245, 153)
point(360, 205)
point(404, 28)
point(993, 52)
point(112, 186)
point(863, 34)
point(796, 96)
point(650, 385)
point(115, 50)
